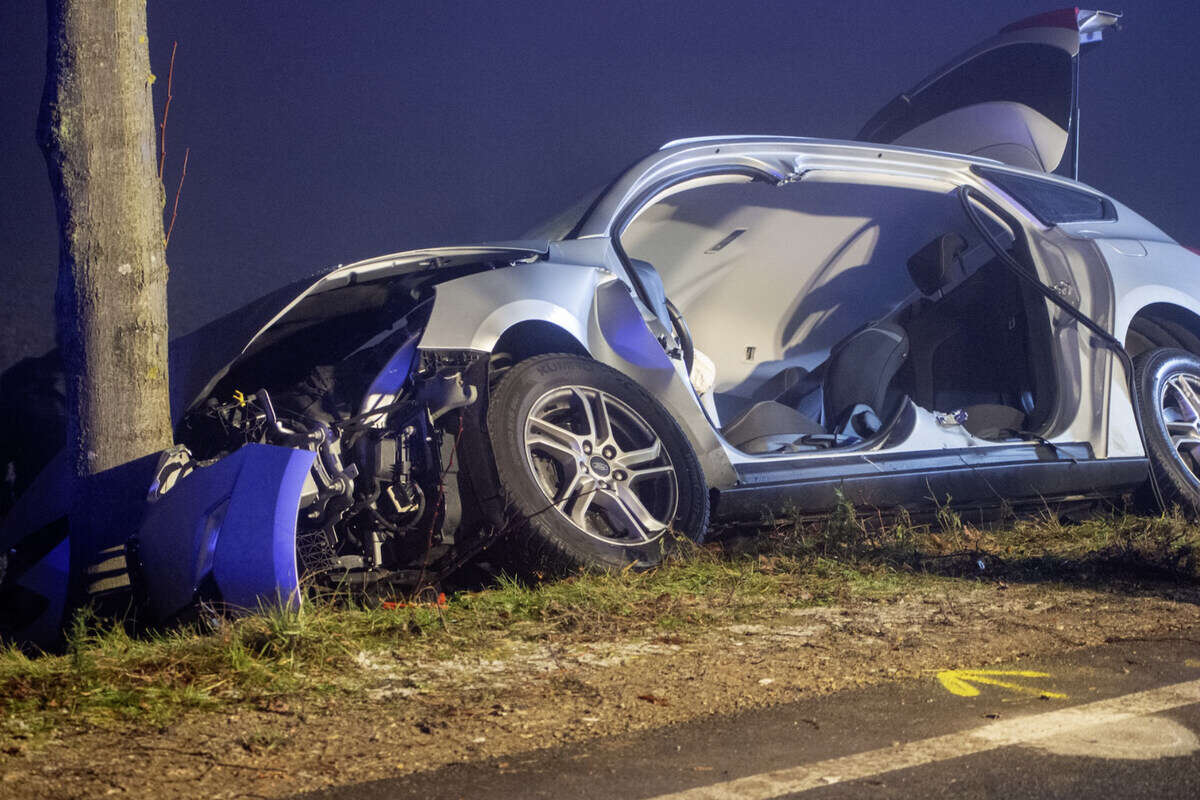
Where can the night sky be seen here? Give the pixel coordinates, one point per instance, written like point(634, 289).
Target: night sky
point(325, 132)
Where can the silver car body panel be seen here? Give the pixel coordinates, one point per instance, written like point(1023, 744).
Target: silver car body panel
point(386, 266)
point(474, 311)
point(598, 311)
point(199, 360)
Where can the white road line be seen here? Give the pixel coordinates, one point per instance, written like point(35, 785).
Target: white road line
point(1023, 730)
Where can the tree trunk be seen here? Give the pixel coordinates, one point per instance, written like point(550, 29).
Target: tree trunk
point(97, 131)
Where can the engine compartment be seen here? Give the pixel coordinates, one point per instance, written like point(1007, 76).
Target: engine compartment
point(341, 376)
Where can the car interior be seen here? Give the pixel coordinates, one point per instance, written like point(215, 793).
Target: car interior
point(819, 309)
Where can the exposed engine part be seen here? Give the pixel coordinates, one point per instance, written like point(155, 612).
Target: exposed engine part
point(446, 391)
point(314, 553)
point(382, 502)
point(410, 504)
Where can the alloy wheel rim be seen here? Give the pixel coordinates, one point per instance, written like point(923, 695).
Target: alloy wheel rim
point(1179, 409)
point(601, 465)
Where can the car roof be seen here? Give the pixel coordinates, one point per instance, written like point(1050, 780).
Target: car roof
point(596, 220)
point(821, 142)
point(934, 155)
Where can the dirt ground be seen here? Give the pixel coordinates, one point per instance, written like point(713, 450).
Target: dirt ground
point(419, 716)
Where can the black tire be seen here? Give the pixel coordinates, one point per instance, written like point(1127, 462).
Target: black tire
point(538, 423)
point(1167, 422)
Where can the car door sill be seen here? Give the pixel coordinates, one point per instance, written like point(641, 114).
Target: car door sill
point(925, 479)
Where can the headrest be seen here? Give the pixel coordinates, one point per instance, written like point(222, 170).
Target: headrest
point(930, 266)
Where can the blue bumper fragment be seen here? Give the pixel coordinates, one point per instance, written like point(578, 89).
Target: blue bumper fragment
point(233, 521)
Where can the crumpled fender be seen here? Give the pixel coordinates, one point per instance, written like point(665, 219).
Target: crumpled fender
point(235, 521)
point(595, 308)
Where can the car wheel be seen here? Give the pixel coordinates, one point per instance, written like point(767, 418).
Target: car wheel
point(598, 473)
point(1168, 385)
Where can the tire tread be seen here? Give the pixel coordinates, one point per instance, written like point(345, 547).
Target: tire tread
point(547, 549)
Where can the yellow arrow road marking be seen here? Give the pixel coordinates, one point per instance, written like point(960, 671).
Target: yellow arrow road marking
point(958, 681)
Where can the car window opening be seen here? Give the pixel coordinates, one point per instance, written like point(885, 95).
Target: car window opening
point(839, 304)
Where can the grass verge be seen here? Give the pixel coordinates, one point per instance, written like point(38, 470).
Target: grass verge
point(106, 677)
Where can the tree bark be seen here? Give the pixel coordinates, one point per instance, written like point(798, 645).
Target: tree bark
point(97, 132)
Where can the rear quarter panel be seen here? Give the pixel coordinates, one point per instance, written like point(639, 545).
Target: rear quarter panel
point(1147, 266)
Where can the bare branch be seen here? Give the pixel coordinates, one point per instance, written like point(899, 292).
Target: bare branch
point(162, 127)
point(178, 189)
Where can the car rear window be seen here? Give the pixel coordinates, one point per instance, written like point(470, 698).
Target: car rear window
point(1050, 202)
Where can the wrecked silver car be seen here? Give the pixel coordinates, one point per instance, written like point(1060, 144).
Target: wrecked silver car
point(734, 327)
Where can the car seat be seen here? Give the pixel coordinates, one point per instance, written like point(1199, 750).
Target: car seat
point(860, 372)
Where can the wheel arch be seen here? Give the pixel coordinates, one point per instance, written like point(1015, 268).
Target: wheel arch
point(535, 337)
point(1163, 324)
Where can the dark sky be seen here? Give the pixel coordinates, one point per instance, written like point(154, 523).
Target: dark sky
point(324, 132)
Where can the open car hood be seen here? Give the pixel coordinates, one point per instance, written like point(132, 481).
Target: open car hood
point(1012, 98)
point(200, 358)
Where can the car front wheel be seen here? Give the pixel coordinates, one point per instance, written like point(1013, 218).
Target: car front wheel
point(597, 472)
point(1168, 384)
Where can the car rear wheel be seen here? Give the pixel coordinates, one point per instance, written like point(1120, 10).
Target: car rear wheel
point(597, 472)
point(1168, 384)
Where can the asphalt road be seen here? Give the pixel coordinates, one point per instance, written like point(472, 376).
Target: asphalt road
point(1117, 721)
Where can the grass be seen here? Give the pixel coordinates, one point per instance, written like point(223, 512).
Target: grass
point(106, 676)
